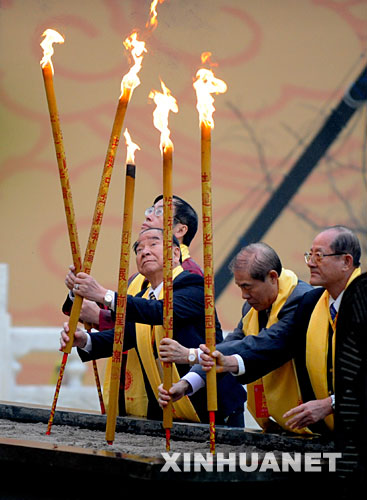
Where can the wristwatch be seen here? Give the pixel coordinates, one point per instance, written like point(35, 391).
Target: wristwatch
point(192, 356)
point(332, 401)
point(108, 298)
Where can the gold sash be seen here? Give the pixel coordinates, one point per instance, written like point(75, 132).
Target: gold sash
point(182, 409)
point(134, 288)
point(317, 345)
point(278, 391)
point(134, 376)
point(185, 254)
point(140, 402)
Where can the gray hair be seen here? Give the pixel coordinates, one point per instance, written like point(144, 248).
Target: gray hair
point(346, 242)
point(258, 259)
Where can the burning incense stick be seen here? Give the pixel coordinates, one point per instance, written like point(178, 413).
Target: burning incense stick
point(206, 84)
point(52, 36)
point(122, 291)
point(165, 103)
point(129, 82)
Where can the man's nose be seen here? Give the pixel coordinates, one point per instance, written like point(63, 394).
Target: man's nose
point(245, 295)
point(311, 263)
point(145, 250)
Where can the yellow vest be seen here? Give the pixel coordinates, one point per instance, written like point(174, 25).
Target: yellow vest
point(317, 346)
point(278, 391)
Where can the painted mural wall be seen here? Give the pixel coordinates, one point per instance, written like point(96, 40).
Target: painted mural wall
point(287, 64)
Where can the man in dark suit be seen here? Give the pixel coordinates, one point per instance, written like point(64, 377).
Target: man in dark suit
point(272, 295)
point(185, 224)
point(334, 262)
point(143, 330)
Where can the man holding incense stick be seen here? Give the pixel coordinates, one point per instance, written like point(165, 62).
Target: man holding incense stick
point(144, 331)
point(272, 295)
point(185, 224)
point(334, 263)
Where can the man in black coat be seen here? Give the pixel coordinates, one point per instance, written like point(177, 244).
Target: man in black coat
point(334, 262)
point(272, 295)
point(144, 317)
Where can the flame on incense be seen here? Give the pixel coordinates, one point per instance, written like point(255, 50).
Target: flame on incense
point(131, 148)
point(51, 37)
point(205, 58)
point(205, 85)
point(137, 48)
point(153, 23)
point(165, 103)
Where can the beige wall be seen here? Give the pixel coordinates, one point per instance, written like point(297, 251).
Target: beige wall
point(286, 62)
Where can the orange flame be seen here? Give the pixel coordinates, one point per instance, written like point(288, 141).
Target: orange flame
point(137, 48)
point(153, 23)
point(205, 57)
point(205, 85)
point(51, 36)
point(131, 148)
point(165, 103)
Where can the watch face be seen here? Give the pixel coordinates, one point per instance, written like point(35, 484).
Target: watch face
point(108, 298)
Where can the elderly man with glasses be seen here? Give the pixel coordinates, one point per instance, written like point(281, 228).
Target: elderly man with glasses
point(185, 224)
point(99, 302)
point(334, 262)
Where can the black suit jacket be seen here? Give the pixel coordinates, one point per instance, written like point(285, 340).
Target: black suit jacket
point(275, 346)
point(272, 347)
point(188, 330)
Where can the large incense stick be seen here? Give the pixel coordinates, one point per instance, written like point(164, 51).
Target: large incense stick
point(47, 72)
point(211, 379)
point(128, 84)
point(167, 279)
point(165, 103)
point(122, 295)
point(206, 84)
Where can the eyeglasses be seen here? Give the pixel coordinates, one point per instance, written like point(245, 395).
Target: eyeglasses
point(318, 256)
point(158, 212)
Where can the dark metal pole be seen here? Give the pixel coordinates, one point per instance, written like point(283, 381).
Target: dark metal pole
point(339, 117)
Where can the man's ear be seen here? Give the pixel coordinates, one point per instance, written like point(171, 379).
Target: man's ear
point(180, 230)
point(273, 276)
point(348, 261)
point(176, 254)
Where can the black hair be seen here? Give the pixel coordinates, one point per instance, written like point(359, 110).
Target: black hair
point(259, 259)
point(184, 214)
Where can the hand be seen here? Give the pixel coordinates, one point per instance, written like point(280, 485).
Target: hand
point(90, 313)
point(223, 363)
point(176, 392)
point(70, 278)
point(170, 351)
point(308, 413)
point(80, 337)
point(88, 288)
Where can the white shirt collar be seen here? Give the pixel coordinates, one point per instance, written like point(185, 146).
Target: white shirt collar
point(156, 290)
point(337, 301)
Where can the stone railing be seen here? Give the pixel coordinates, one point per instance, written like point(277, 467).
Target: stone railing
point(16, 342)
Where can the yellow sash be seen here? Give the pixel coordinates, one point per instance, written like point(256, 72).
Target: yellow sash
point(185, 254)
point(182, 409)
point(141, 400)
point(317, 345)
point(278, 391)
point(134, 380)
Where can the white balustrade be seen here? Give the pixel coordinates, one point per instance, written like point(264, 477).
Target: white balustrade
point(16, 342)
